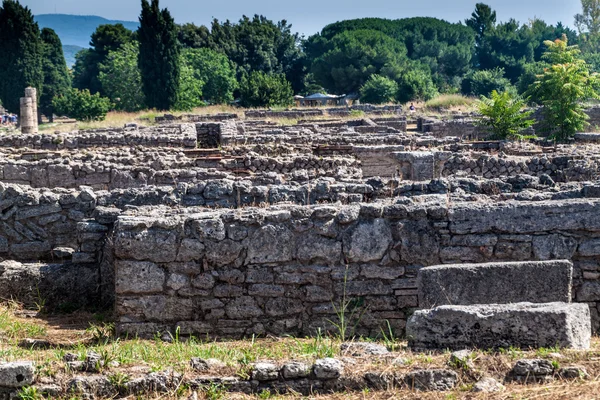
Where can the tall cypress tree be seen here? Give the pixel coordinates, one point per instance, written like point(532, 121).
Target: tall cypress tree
point(56, 75)
point(21, 58)
point(159, 56)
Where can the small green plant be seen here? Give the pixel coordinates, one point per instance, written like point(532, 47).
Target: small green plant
point(214, 391)
point(349, 312)
point(389, 339)
point(101, 333)
point(118, 379)
point(503, 114)
point(29, 393)
point(265, 394)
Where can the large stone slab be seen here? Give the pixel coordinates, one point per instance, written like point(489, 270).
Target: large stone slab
point(495, 283)
point(522, 325)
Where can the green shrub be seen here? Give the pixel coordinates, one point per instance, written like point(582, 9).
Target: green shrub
point(378, 90)
point(82, 105)
point(259, 89)
point(482, 83)
point(415, 84)
point(503, 114)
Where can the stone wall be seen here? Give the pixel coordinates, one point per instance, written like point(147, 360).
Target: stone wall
point(182, 135)
point(282, 270)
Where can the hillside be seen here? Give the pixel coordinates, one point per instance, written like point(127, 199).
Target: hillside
point(75, 30)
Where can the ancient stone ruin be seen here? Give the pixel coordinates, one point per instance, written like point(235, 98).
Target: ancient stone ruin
point(237, 225)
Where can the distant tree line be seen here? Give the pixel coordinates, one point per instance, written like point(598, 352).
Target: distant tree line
point(258, 62)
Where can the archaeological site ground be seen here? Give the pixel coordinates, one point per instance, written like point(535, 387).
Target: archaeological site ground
point(341, 253)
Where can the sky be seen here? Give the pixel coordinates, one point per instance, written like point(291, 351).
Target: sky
point(310, 16)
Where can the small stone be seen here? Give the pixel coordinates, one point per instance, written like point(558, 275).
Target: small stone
point(429, 380)
point(70, 357)
point(294, 370)
point(461, 359)
point(328, 368)
point(488, 385)
point(35, 344)
point(93, 362)
point(16, 374)
point(200, 364)
point(265, 372)
point(573, 372)
point(359, 349)
point(531, 371)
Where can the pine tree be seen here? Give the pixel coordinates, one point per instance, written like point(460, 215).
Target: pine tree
point(56, 75)
point(21, 59)
point(159, 56)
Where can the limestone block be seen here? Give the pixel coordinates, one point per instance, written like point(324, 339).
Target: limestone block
point(368, 241)
point(431, 380)
point(271, 243)
point(16, 374)
point(495, 283)
point(501, 325)
point(138, 277)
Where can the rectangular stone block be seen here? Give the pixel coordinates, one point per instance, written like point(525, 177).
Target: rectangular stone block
point(495, 283)
point(521, 325)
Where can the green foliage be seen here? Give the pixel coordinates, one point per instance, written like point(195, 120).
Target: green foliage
point(159, 58)
point(482, 83)
point(259, 89)
point(529, 77)
point(29, 393)
point(503, 114)
point(562, 88)
point(378, 89)
point(190, 89)
point(57, 80)
point(259, 44)
point(351, 57)
point(446, 49)
point(106, 39)
point(121, 79)
point(446, 101)
point(482, 20)
point(216, 71)
point(588, 23)
point(21, 60)
point(415, 84)
point(82, 105)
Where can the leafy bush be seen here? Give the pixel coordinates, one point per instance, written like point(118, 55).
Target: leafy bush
point(503, 114)
point(415, 84)
point(378, 89)
point(216, 71)
point(82, 105)
point(189, 94)
point(121, 78)
point(563, 87)
point(482, 83)
point(265, 90)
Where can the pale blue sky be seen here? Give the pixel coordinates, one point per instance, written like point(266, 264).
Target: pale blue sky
point(309, 16)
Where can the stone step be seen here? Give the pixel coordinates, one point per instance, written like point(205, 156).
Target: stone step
point(495, 283)
point(521, 325)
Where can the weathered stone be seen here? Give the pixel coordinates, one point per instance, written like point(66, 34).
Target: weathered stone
point(553, 247)
point(491, 326)
point(269, 244)
point(368, 241)
point(431, 380)
point(317, 248)
point(487, 385)
point(328, 368)
point(359, 349)
point(138, 277)
point(265, 372)
point(201, 365)
point(16, 374)
point(295, 370)
point(155, 245)
point(242, 308)
point(573, 372)
point(589, 291)
point(531, 371)
point(495, 283)
point(209, 228)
